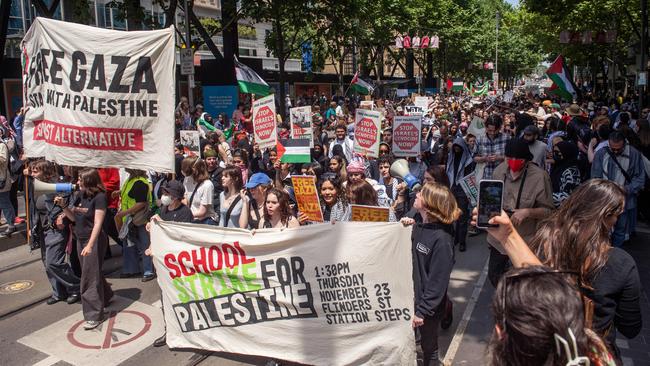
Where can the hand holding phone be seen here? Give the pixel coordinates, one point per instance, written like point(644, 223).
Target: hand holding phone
point(490, 202)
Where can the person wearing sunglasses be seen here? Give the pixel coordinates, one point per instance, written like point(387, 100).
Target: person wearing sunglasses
point(536, 311)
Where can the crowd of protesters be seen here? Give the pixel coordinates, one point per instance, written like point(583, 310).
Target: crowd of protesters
point(574, 178)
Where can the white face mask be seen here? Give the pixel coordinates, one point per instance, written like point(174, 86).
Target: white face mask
point(166, 200)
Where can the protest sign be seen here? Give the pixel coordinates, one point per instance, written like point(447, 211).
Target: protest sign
point(301, 128)
point(99, 97)
point(191, 142)
point(264, 123)
point(412, 110)
point(469, 186)
point(370, 213)
point(477, 127)
point(406, 135)
point(366, 132)
point(367, 104)
point(320, 294)
point(304, 187)
point(423, 103)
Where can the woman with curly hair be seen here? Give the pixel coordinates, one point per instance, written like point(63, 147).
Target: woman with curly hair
point(277, 213)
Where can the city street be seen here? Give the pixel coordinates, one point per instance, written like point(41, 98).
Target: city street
point(33, 333)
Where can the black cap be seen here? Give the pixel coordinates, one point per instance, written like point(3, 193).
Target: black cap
point(174, 188)
point(518, 149)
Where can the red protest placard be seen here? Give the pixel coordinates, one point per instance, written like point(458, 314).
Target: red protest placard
point(304, 187)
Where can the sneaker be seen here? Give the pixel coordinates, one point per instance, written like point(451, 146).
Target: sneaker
point(162, 341)
point(73, 299)
point(148, 277)
point(91, 324)
point(52, 300)
point(7, 233)
point(18, 220)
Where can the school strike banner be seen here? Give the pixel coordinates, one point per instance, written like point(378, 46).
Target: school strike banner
point(367, 127)
point(99, 97)
point(320, 294)
point(300, 118)
point(264, 123)
point(406, 135)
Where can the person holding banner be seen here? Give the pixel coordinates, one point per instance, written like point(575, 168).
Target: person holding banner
point(277, 212)
point(253, 207)
point(363, 193)
point(230, 201)
point(433, 259)
point(199, 190)
point(87, 212)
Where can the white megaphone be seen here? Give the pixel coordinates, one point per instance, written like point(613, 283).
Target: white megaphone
point(400, 169)
point(41, 187)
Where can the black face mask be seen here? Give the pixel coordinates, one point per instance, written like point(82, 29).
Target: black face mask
point(557, 156)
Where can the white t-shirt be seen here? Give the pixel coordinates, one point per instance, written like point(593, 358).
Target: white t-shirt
point(203, 196)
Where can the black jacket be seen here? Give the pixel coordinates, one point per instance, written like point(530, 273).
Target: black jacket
point(433, 259)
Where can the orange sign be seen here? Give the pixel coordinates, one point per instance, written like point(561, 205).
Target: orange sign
point(304, 187)
point(369, 213)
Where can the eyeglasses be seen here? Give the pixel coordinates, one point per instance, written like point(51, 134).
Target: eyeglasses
point(513, 276)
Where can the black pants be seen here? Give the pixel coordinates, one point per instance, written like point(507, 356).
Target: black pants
point(61, 276)
point(95, 291)
point(498, 265)
point(429, 340)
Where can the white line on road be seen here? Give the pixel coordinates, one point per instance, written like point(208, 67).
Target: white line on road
point(51, 360)
point(467, 314)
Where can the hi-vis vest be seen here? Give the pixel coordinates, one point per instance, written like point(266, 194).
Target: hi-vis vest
point(127, 202)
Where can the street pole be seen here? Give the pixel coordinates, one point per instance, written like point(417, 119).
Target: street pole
point(644, 41)
point(188, 45)
point(496, 55)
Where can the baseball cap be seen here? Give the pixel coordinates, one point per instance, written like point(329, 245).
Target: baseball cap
point(174, 188)
point(258, 179)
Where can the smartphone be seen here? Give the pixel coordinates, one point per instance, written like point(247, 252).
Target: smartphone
point(490, 200)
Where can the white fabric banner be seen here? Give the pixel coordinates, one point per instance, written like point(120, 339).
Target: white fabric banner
point(321, 294)
point(99, 97)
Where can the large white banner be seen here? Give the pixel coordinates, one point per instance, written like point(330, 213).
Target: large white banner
point(99, 97)
point(320, 294)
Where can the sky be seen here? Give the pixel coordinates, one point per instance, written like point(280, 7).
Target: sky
point(513, 2)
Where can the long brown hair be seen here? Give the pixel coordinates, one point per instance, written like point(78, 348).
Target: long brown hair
point(439, 203)
point(195, 167)
point(362, 193)
point(92, 181)
point(283, 201)
point(575, 237)
point(234, 173)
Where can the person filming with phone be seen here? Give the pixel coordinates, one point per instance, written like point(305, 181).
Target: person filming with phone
point(527, 198)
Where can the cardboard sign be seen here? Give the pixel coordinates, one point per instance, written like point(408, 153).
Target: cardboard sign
point(406, 135)
point(304, 187)
point(264, 123)
point(191, 142)
point(99, 97)
point(348, 286)
point(301, 127)
point(469, 186)
point(423, 103)
point(367, 128)
point(412, 110)
point(370, 213)
point(367, 104)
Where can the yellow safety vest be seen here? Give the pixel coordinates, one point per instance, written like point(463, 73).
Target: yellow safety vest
point(127, 202)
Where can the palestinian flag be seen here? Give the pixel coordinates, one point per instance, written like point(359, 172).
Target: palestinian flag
point(249, 82)
point(562, 80)
point(361, 86)
point(455, 84)
point(293, 150)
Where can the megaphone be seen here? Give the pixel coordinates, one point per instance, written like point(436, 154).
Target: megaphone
point(41, 187)
point(400, 169)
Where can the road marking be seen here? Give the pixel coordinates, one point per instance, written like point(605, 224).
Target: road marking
point(124, 334)
point(51, 360)
point(467, 314)
point(16, 287)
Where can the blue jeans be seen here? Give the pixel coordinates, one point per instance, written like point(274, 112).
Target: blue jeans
point(137, 242)
point(6, 207)
point(621, 228)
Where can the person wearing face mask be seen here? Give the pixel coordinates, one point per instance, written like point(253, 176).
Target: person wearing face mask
point(565, 174)
point(623, 164)
point(527, 198)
